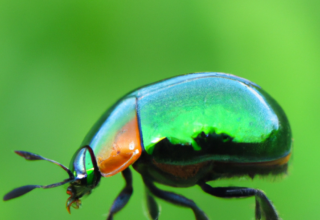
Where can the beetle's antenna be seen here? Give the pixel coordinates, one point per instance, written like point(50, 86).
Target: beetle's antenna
point(32, 156)
point(25, 189)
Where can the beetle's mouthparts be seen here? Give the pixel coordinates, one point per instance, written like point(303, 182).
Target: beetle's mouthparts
point(74, 202)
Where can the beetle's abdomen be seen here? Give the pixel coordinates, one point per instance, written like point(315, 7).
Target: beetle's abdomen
point(221, 118)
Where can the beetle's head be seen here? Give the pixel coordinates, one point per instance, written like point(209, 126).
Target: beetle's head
point(84, 175)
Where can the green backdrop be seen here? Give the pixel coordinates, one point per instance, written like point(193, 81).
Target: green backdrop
point(63, 62)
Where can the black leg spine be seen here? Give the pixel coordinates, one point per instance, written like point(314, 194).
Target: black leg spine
point(175, 199)
point(264, 208)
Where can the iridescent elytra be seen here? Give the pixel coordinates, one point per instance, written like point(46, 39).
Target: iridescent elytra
point(183, 131)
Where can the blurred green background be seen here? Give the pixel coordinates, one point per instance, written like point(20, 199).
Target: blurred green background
point(62, 63)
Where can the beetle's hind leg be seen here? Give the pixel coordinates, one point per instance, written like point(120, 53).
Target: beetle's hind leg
point(175, 199)
point(264, 208)
point(123, 196)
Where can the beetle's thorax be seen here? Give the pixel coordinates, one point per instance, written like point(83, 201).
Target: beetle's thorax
point(126, 149)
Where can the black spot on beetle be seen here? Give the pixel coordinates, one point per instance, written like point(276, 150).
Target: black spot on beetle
point(211, 144)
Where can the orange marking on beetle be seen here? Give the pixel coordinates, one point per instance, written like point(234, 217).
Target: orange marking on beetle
point(277, 162)
point(125, 151)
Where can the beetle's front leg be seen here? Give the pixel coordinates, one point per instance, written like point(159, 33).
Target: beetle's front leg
point(264, 208)
point(175, 199)
point(153, 207)
point(123, 196)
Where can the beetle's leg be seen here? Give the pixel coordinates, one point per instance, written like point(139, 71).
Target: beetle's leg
point(123, 196)
point(153, 207)
point(175, 199)
point(264, 208)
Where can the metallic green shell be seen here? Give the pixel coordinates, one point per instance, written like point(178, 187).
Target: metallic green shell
point(182, 108)
point(188, 110)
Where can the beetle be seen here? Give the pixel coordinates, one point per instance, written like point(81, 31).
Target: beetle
point(183, 131)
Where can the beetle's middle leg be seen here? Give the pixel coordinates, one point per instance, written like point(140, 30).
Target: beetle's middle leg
point(174, 199)
point(123, 196)
point(264, 208)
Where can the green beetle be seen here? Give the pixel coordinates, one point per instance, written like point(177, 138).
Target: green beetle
point(182, 132)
